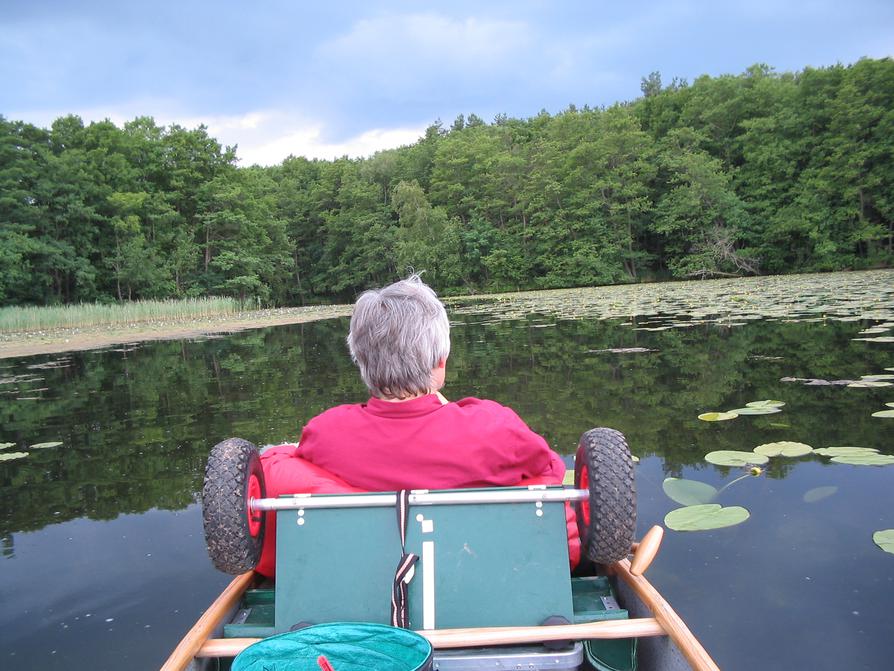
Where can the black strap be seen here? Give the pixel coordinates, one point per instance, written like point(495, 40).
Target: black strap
point(404, 572)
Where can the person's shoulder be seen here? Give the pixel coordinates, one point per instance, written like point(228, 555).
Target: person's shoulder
point(472, 405)
point(496, 423)
point(473, 402)
point(337, 413)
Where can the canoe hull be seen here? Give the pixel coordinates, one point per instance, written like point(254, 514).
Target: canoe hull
point(653, 653)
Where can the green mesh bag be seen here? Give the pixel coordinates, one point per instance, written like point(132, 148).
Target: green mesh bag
point(343, 646)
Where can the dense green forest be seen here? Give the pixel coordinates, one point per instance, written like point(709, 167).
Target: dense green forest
point(762, 172)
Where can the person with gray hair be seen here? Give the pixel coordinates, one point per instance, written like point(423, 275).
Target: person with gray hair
point(400, 340)
point(407, 435)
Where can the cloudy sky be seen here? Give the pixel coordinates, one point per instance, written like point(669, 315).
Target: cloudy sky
point(325, 79)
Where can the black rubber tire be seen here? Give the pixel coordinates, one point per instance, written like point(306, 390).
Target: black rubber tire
point(231, 466)
point(607, 531)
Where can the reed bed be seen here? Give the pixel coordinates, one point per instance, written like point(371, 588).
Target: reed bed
point(112, 314)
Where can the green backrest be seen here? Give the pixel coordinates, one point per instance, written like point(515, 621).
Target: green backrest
point(482, 564)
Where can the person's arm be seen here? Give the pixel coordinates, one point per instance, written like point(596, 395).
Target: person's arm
point(533, 454)
point(508, 450)
point(553, 470)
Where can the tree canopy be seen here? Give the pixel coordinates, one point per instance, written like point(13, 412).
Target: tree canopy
point(762, 172)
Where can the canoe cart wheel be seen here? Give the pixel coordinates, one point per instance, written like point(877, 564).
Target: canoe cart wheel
point(233, 532)
point(607, 520)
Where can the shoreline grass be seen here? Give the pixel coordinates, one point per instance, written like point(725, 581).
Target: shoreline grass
point(31, 318)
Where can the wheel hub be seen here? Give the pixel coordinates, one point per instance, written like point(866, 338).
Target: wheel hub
point(254, 517)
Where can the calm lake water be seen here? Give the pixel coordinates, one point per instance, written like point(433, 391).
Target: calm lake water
point(102, 559)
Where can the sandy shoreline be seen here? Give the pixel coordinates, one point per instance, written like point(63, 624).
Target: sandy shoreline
point(53, 341)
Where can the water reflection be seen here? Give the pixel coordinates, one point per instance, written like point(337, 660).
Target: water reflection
point(107, 521)
point(135, 426)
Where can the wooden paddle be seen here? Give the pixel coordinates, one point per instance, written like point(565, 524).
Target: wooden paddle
point(475, 637)
point(644, 551)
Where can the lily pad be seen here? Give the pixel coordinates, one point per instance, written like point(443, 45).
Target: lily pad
point(688, 492)
point(884, 413)
point(41, 446)
point(705, 517)
point(765, 404)
point(4, 446)
point(819, 493)
point(845, 451)
point(717, 416)
point(884, 539)
point(783, 448)
point(7, 456)
point(757, 410)
point(735, 458)
point(866, 460)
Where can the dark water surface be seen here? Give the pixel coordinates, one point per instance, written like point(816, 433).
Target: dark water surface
point(102, 560)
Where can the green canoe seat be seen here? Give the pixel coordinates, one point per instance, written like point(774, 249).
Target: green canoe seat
point(481, 564)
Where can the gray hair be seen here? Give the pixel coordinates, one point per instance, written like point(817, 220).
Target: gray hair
point(398, 335)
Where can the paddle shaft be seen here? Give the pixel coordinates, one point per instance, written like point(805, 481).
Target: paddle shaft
point(474, 637)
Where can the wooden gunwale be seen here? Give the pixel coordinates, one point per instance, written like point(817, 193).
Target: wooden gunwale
point(211, 619)
point(671, 623)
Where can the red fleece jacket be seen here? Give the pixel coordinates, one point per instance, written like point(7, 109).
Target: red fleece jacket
point(416, 444)
point(422, 444)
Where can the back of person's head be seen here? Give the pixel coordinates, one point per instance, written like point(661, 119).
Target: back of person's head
point(399, 333)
